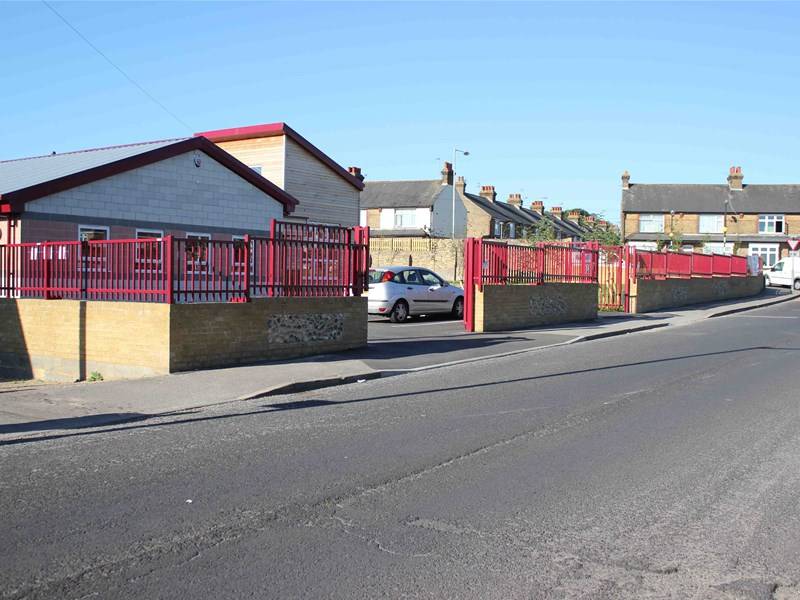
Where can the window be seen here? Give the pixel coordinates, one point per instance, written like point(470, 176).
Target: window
point(512, 231)
point(197, 251)
point(768, 253)
point(651, 223)
point(770, 224)
point(412, 277)
point(405, 218)
point(498, 229)
point(430, 279)
point(711, 223)
point(148, 255)
point(88, 233)
point(147, 234)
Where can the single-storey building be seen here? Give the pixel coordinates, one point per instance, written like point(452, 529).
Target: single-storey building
point(327, 192)
point(186, 187)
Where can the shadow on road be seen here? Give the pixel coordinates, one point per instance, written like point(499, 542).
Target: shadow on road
point(306, 404)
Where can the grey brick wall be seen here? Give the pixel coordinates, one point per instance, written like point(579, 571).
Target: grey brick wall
point(170, 191)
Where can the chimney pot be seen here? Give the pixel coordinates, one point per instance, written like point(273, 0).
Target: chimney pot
point(461, 184)
point(447, 174)
point(355, 172)
point(626, 180)
point(487, 191)
point(735, 178)
point(515, 200)
point(537, 206)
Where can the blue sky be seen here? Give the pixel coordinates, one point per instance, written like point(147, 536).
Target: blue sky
point(552, 100)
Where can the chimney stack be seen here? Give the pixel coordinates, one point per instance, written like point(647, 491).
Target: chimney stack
point(515, 200)
point(537, 206)
point(487, 191)
point(589, 220)
point(574, 215)
point(735, 178)
point(461, 184)
point(626, 180)
point(447, 174)
point(355, 172)
point(556, 210)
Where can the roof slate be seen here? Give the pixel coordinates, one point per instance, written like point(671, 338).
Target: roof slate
point(25, 172)
point(710, 198)
point(401, 194)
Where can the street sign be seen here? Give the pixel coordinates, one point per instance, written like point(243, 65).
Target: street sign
point(794, 244)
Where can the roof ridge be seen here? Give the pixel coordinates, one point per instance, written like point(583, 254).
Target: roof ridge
point(94, 149)
point(403, 181)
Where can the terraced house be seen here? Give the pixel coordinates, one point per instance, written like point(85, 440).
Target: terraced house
point(745, 219)
point(425, 208)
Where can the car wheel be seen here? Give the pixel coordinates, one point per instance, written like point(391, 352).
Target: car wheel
point(399, 312)
point(796, 285)
point(458, 308)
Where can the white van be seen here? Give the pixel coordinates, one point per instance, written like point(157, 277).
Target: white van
point(784, 272)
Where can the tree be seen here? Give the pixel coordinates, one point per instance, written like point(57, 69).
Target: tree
point(542, 231)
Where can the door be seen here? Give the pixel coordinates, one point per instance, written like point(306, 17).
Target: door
point(438, 296)
point(414, 289)
point(780, 274)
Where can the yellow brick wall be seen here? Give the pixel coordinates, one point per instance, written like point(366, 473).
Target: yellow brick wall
point(66, 340)
point(441, 255)
point(221, 335)
point(506, 307)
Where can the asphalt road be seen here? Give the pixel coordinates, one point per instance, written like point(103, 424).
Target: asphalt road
point(655, 465)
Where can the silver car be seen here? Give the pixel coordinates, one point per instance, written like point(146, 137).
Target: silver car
point(398, 292)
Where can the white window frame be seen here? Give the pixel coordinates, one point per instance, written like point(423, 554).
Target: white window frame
point(97, 227)
point(398, 216)
point(145, 265)
point(717, 227)
point(362, 218)
point(202, 263)
point(658, 226)
point(498, 230)
point(764, 251)
point(771, 219)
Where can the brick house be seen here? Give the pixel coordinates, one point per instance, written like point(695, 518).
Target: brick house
point(185, 187)
point(424, 208)
point(327, 192)
point(746, 219)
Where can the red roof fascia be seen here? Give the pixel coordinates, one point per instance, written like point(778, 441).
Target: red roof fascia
point(275, 129)
point(18, 198)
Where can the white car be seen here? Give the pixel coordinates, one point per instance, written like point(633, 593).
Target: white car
point(784, 272)
point(398, 292)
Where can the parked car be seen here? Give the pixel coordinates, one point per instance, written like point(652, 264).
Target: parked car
point(785, 272)
point(399, 292)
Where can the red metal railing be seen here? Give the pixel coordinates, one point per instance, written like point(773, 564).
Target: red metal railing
point(663, 265)
point(311, 261)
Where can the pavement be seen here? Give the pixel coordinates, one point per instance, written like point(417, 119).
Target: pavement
point(651, 465)
point(31, 410)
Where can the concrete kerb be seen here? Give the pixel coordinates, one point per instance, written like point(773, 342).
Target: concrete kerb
point(738, 309)
point(310, 385)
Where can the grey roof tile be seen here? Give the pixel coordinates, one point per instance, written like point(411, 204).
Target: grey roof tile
point(25, 172)
point(710, 198)
point(401, 194)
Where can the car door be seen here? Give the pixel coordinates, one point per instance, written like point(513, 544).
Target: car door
point(438, 295)
point(778, 274)
point(413, 290)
